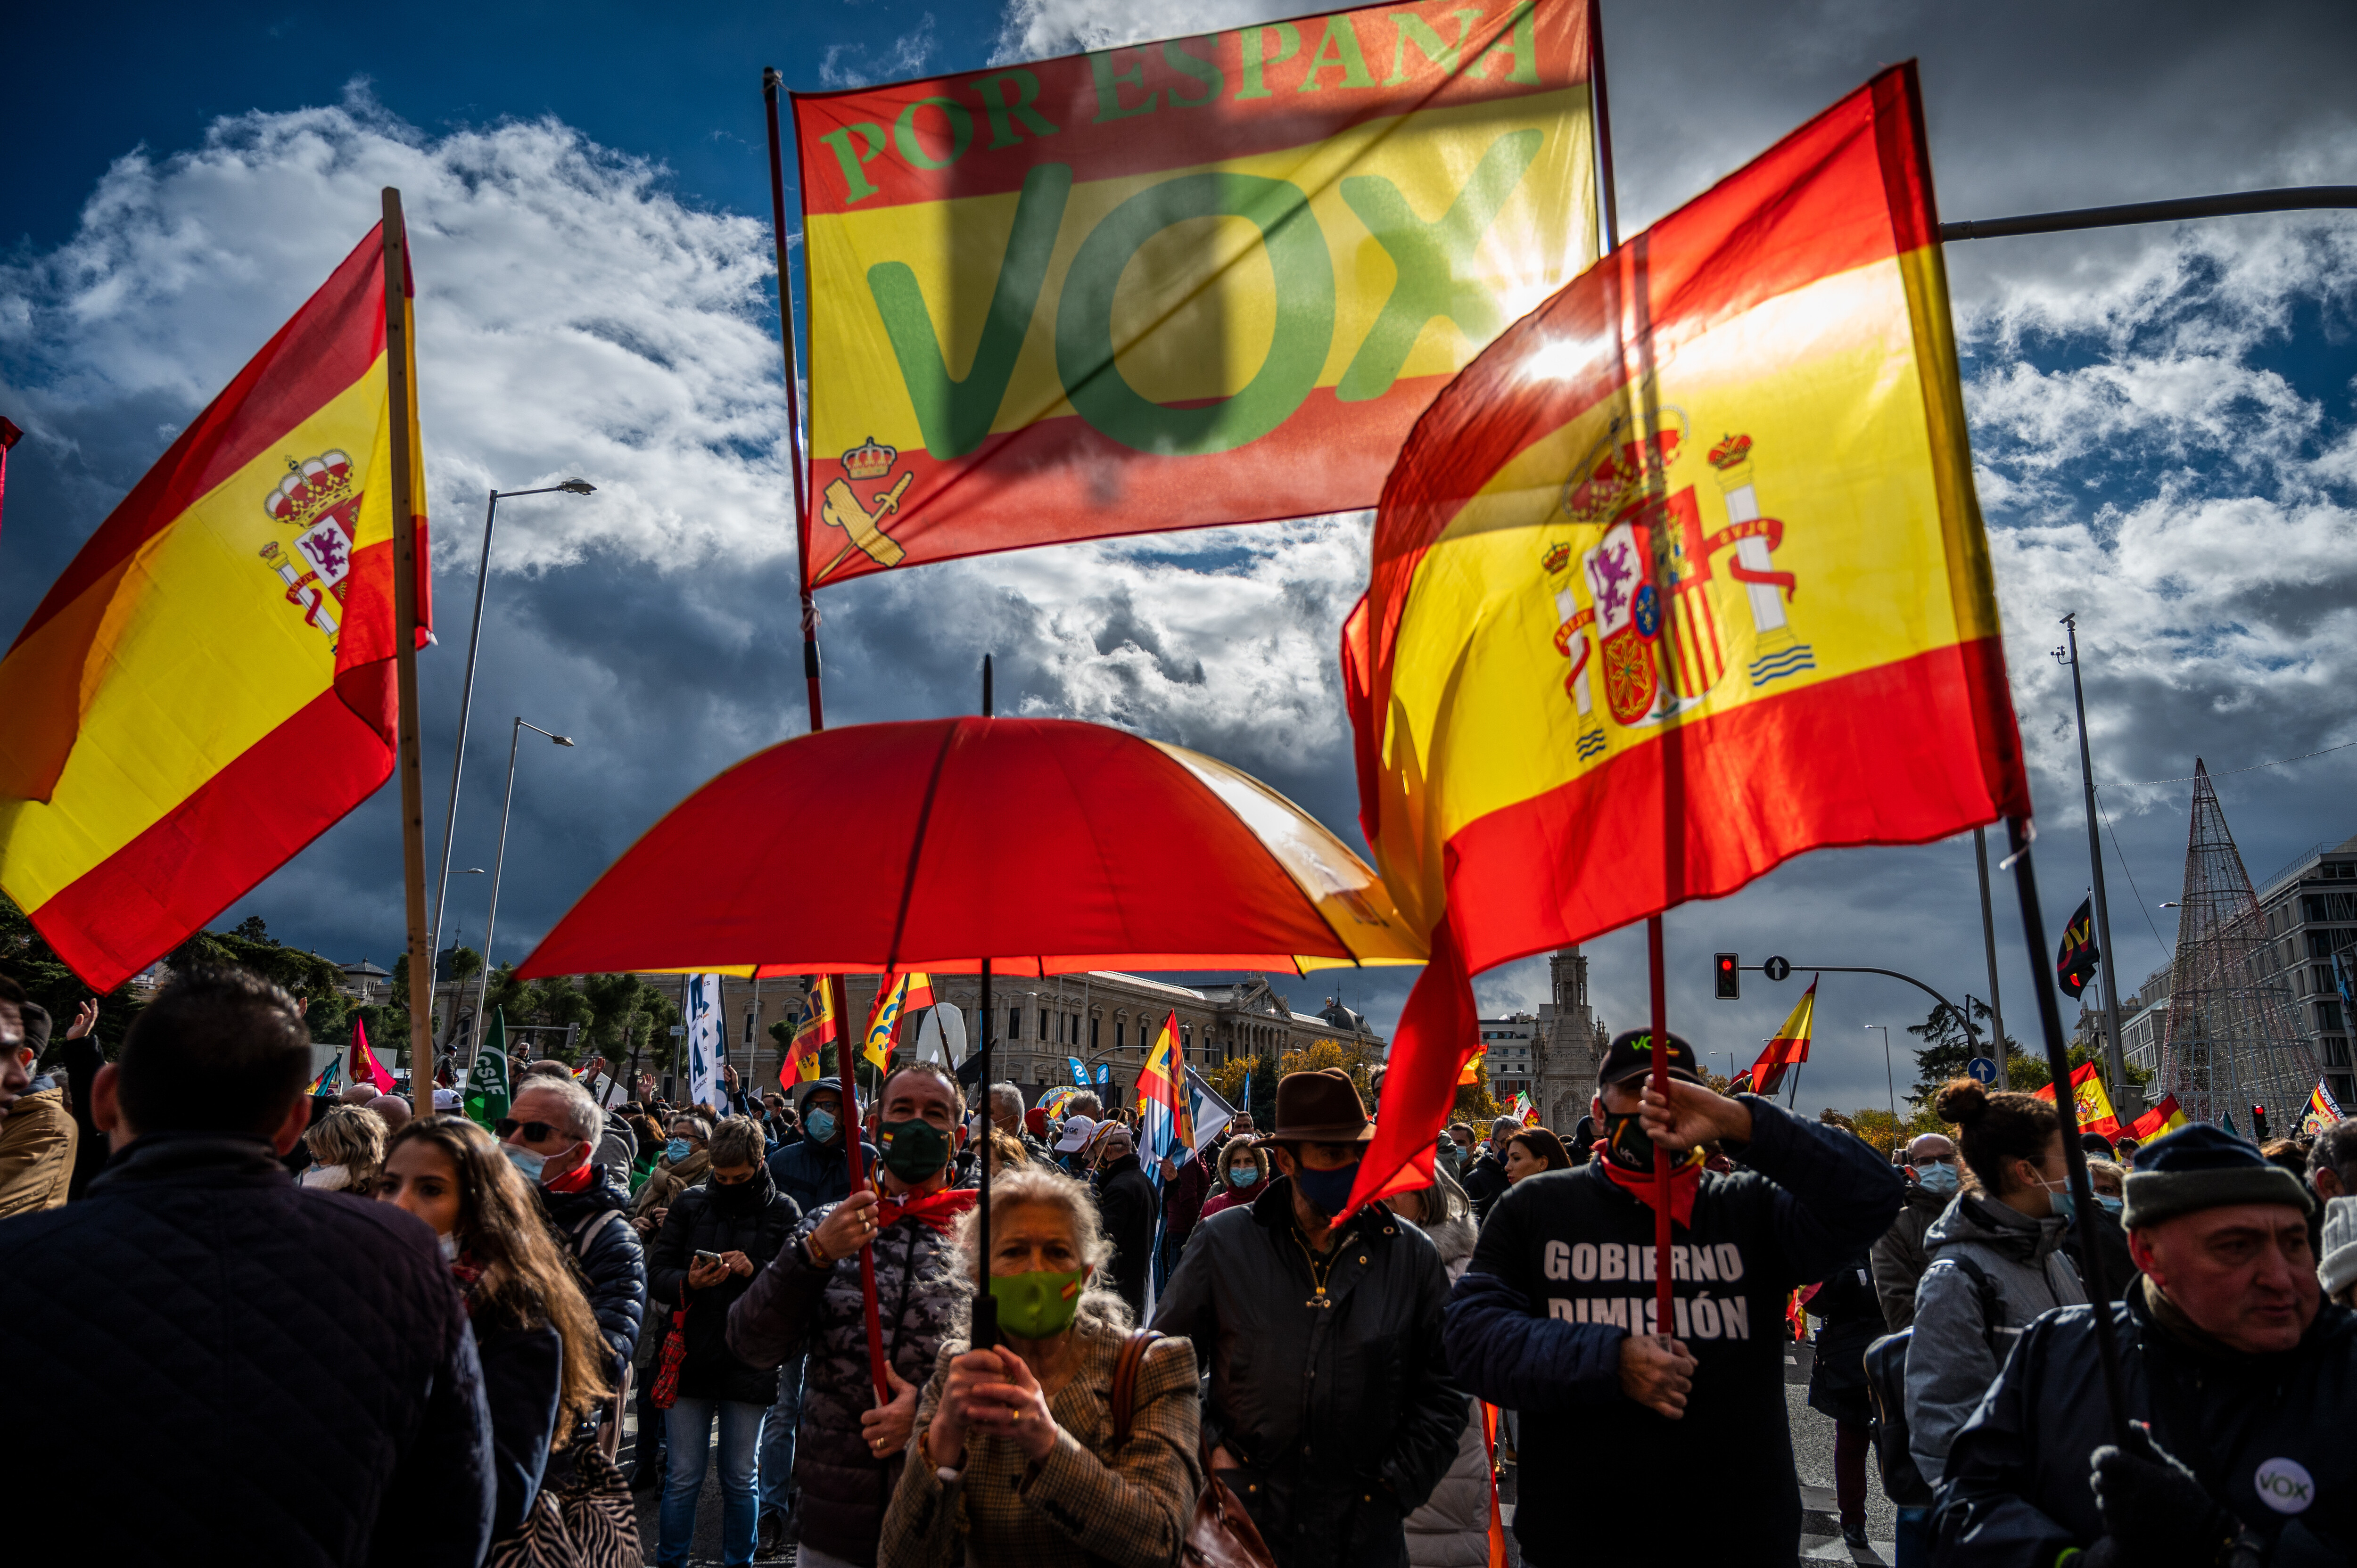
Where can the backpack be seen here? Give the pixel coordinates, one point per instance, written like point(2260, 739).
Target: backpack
point(1886, 1389)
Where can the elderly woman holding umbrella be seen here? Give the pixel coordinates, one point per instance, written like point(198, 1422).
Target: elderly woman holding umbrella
point(1016, 1458)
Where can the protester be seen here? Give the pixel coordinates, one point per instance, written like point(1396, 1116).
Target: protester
point(1996, 1260)
point(613, 1144)
point(39, 1139)
point(545, 1361)
point(183, 1411)
point(1533, 1150)
point(1553, 1317)
point(647, 1134)
point(357, 1093)
point(1187, 1183)
point(1900, 1257)
point(1486, 1178)
point(713, 1241)
point(76, 1051)
point(390, 1109)
point(809, 1299)
point(347, 1147)
point(1126, 1201)
point(1007, 1115)
point(1849, 1318)
point(2238, 1375)
point(1452, 1529)
point(1458, 1139)
point(1328, 1410)
point(2106, 1180)
point(1582, 1147)
point(547, 1135)
point(2336, 1266)
point(2333, 1153)
point(1015, 1466)
point(1244, 1168)
point(687, 1157)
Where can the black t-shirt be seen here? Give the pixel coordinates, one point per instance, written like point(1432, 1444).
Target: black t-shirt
point(1575, 1247)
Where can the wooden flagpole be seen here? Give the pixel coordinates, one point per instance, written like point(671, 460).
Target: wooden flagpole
point(399, 361)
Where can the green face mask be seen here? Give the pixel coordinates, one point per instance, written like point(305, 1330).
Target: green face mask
point(915, 1149)
point(1038, 1305)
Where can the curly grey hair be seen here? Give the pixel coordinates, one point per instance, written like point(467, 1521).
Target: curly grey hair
point(1012, 1187)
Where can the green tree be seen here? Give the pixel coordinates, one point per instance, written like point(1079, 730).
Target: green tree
point(1948, 1045)
point(31, 963)
point(314, 981)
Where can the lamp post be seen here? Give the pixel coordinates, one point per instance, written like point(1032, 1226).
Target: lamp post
point(467, 696)
point(498, 865)
point(1889, 1079)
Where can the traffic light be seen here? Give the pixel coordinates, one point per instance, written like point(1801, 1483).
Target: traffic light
point(1729, 980)
point(2259, 1121)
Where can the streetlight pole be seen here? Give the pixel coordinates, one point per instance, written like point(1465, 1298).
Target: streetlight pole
point(1989, 942)
point(2109, 966)
point(490, 925)
point(1889, 1079)
point(467, 696)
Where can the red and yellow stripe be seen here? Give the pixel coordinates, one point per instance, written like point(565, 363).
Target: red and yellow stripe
point(209, 686)
point(1205, 281)
point(1683, 577)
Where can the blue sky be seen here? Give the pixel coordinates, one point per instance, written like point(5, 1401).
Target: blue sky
point(2162, 418)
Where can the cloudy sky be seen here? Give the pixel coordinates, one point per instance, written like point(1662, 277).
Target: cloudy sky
point(2162, 419)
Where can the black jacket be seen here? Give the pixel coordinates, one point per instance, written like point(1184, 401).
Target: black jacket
point(523, 1379)
point(1486, 1180)
point(2014, 1490)
point(288, 1373)
point(1333, 1396)
point(612, 1262)
point(2120, 1273)
point(816, 1175)
point(712, 1372)
point(1563, 1273)
point(1126, 1201)
point(1849, 1318)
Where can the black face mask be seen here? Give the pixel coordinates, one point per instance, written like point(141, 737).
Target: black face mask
point(1627, 1146)
point(739, 1197)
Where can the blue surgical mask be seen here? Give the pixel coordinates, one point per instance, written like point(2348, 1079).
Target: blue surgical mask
point(677, 1151)
point(2111, 1205)
point(1941, 1179)
point(2066, 1207)
point(820, 1124)
point(1326, 1191)
point(525, 1160)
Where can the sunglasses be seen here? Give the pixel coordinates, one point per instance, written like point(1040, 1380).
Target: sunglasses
point(533, 1131)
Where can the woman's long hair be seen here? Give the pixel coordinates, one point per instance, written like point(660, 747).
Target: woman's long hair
point(1011, 1187)
point(1549, 1148)
point(525, 1274)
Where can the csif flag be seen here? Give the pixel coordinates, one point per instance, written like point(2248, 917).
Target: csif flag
point(1205, 280)
point(487, 1095)
point(2092, 1106)
point(1787, 1049)
point(2076, 960)
point(1683, 577)
point(209, 685)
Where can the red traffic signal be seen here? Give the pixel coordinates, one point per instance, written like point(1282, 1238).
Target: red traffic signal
point(2259, 1121)
point(1728, 980)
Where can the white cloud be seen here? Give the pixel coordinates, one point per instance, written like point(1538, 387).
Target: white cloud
point(860, 65)
point(1041, 30)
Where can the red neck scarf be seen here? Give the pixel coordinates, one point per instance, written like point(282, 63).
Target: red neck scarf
point(1685, 1180)
point(939, 1209)
point(573, 1180)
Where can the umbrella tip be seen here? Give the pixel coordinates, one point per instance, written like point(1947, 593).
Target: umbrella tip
point(986, 704)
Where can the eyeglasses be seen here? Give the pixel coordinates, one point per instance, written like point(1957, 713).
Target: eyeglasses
point(533, 1131)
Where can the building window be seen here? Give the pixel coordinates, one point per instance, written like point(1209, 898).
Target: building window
point(1093, 1034)
point(1015, 1022)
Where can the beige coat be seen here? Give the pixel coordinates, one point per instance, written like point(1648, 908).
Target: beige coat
point(1082, 1504)
point(37, 1153)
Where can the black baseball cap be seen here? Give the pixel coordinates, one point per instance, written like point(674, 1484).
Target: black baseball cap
point(1630, 1054)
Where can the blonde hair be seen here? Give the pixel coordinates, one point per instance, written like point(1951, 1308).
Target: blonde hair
point(352, 1138)
point(1013, 1186)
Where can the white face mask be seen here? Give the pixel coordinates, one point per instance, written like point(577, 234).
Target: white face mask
point(449, 1243)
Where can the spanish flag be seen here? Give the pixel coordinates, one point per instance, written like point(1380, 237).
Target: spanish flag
point(2163, 1118)
point(210, 686)
point(1790, 1048)
point(1205, 280)
point(1683, 577)
point(2093, 1107)
point(2323, 1111)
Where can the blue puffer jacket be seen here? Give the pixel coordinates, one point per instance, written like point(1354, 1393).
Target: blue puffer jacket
point(287, 1373)
point(815, 1175)
point(613, 1263)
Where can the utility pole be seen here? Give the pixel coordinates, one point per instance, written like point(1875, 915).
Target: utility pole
point(2127, 1094)
point(1989, 942)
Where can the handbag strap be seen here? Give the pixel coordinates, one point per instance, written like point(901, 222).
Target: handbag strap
point(1125, 1380)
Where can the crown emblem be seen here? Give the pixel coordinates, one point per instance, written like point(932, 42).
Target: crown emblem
point(1730, 451)
point(871, 460)
point(1558, 557)
point(314, 486)
point(1617, 474)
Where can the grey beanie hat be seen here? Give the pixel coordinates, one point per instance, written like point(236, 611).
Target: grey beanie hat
point(2338, 1268)
point(2200, 1166)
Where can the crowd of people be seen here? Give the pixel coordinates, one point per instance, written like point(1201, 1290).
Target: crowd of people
point(309, 1329)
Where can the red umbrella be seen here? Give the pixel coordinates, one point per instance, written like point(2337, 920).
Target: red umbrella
point(1034, 846)
point(1044, 846)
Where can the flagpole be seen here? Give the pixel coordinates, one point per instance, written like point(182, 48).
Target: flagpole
point(2107, 965)
point(983, 1332)
point(770, 84)
point(1988, 941)
point(401, 394)
point(2066, 1107)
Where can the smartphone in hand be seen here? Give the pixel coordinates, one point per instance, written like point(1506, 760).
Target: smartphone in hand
point(703, 1257)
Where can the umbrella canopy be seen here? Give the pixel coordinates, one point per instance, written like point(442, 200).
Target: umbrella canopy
point(1046, 846)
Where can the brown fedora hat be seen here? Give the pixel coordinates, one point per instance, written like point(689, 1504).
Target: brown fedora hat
point(1321, 1107)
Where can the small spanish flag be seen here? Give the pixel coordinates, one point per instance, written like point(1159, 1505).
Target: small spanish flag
point(209, 685)
point(2075, 962)
point(2165, 1117)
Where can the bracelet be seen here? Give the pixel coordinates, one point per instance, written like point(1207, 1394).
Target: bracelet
point(815, 1253)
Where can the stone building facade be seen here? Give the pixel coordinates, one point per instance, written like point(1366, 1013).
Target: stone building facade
point(1568, 1042)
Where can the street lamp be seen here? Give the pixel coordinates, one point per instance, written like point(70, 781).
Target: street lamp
point(1889, 1079)
point(498, 865)
point(467, 698)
